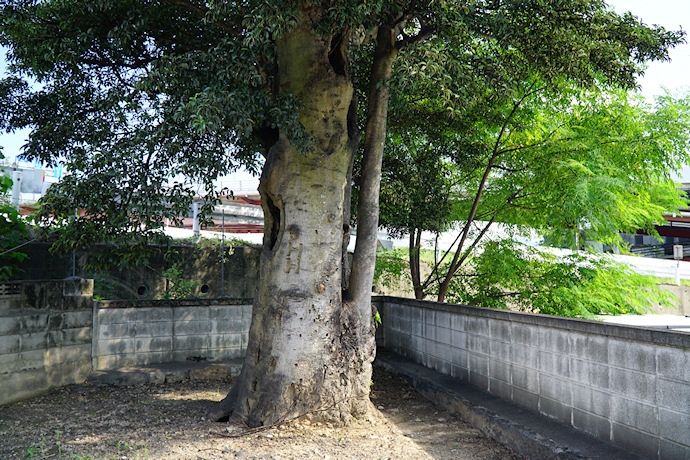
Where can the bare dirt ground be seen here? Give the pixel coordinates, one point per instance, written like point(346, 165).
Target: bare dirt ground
point(166, 422)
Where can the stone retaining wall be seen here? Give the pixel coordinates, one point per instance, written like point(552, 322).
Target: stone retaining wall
point(625, 385)
point(233, 275)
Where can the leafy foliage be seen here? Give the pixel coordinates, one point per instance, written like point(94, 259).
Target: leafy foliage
point(417, 181)
point(12, 232)
point(597, 166)
point(126, 106)
point(134, 92)
point(572, 165)
point(178, 287)
point(510, 275)
point(391, 268)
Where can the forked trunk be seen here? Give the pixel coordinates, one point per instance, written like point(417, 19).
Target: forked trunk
point(309, 352)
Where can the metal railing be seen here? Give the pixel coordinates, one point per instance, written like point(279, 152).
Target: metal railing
point(659, 251)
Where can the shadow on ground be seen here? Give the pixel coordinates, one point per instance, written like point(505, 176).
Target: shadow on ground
point(165, 421)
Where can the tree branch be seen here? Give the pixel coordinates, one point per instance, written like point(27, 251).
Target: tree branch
point(469, 250)
point(424, 33)
point(480, 189)
point(203, 12)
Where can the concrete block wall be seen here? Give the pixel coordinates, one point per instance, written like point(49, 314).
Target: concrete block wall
point(53, 334)
point(625, 385)
point(150, 332)
point(45, 336)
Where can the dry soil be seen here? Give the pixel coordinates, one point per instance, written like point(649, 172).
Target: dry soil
point(166, 422)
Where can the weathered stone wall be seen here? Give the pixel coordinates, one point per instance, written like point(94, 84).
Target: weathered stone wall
point(625, 385)
point(682, 293)
point(45, 336)
point(234, 276)
point(149, 332)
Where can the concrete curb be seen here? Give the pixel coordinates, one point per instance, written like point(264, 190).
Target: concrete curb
point(166, 373)
point(530, 434)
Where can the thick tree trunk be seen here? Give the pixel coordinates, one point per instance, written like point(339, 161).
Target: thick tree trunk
point(309, 352)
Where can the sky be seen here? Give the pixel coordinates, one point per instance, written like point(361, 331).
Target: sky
point(674, 75)
point(673, 15)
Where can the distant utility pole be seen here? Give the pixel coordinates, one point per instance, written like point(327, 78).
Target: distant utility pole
point(195, 215)
point(16, 187)
point(222, 256)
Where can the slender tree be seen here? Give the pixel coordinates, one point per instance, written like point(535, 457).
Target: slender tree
point(132, 92)
point(571, 166)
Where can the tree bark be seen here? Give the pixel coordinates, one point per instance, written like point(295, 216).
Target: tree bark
point(414, 249)
point(364, 257)
point(309, 352)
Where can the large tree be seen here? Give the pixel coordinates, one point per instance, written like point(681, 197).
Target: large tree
point(132, 92)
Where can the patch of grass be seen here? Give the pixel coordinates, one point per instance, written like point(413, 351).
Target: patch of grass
point(57, 443)
point(673, 281)
point(135, 449)
point(143, 455)
point(121, 445)
point(13, 427)
point(34, 450)
point(84, 457)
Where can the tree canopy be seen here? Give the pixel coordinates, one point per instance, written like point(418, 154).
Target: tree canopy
point(131, 93)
